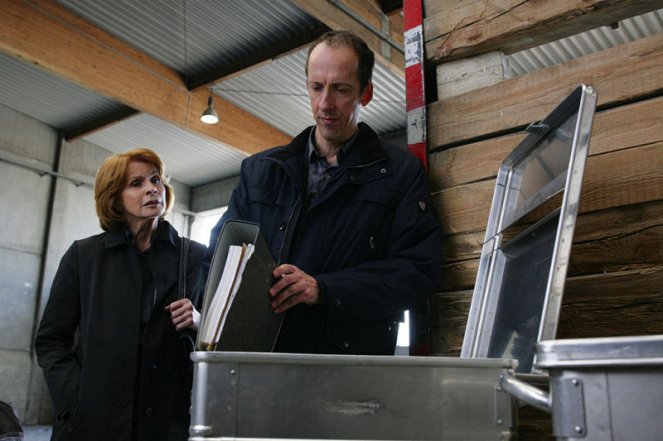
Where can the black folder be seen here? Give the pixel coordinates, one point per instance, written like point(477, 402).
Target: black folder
point(251, 325)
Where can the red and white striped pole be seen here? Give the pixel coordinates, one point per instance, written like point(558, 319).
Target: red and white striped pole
point(415, 106)
point(415, 98)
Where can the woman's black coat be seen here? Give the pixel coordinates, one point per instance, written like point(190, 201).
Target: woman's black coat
point(88, 341)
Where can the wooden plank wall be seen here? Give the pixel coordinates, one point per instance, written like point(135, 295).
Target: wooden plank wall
point(615, 281)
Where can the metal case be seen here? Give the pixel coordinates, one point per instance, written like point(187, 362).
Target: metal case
point(601, 389)
point(287, 396)
point(605, 388)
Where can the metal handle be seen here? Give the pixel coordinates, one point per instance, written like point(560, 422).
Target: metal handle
point(526, 392)
point(199, 430)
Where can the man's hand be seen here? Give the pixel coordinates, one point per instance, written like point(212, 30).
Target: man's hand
point(182, 314)
point(293, 286)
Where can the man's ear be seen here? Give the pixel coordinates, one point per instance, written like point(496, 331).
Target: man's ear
point(367, 94)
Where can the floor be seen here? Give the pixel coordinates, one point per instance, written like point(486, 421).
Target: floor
point(36, 433)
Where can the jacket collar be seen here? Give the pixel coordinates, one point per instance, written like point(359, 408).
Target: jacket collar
point(164, 233)
point(366, 148)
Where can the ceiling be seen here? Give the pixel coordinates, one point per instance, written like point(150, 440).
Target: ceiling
point(124, 73)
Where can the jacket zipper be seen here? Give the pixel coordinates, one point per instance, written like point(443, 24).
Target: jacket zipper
point(296, 211)
point(354, 167)
point(287, 236)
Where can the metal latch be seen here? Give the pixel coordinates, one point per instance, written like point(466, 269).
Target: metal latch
point(569, 409)
point(504, 413)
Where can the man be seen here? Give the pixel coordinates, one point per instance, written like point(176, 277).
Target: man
point(347, 217)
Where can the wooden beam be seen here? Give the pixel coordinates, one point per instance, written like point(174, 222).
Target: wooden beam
point(625, 302)
point(42, 33)
point(624, 73)
point(481, 160)
point(460, 29)
point(613, 237)
point(619, 163)
point(390, 6)
point(372, 14)
point(623, 177)
point(620, 303)
point(332, 14)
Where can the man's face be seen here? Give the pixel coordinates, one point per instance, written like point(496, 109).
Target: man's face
point(336, 98)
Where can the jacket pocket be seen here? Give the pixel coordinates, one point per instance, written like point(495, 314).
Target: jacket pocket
point(266, 196)
point(357, 227)
point(66, 422)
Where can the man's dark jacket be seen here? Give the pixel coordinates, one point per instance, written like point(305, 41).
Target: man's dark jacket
point(370, 238)
point(96, 295)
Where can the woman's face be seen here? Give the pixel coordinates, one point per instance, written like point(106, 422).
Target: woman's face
point(144, 195)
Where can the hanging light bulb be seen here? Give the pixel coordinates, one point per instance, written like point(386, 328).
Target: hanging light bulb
point(210, 116)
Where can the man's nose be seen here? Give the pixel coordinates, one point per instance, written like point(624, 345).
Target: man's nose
point(326, 99)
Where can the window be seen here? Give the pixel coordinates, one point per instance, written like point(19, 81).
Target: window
point(403, 339)
point(203, 224)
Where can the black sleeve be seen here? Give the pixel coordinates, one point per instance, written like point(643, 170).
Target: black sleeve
point(56, 335)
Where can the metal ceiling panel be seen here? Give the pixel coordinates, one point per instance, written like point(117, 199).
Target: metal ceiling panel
point(189, 158)
point(49, 99)
point(195, 36)
point(586, 43)
point(276, 93)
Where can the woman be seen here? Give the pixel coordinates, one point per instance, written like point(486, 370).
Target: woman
point(109, 340)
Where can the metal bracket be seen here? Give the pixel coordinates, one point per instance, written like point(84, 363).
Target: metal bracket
point(525, 392)
point(569, 409)
point(504, 412)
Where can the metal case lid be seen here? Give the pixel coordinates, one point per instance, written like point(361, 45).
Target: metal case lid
point(603, 352)
point(524, 259)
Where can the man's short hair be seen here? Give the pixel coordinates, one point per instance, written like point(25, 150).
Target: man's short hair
point(345, 38)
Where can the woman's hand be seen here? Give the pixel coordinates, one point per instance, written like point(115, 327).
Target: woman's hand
point(183, 315)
